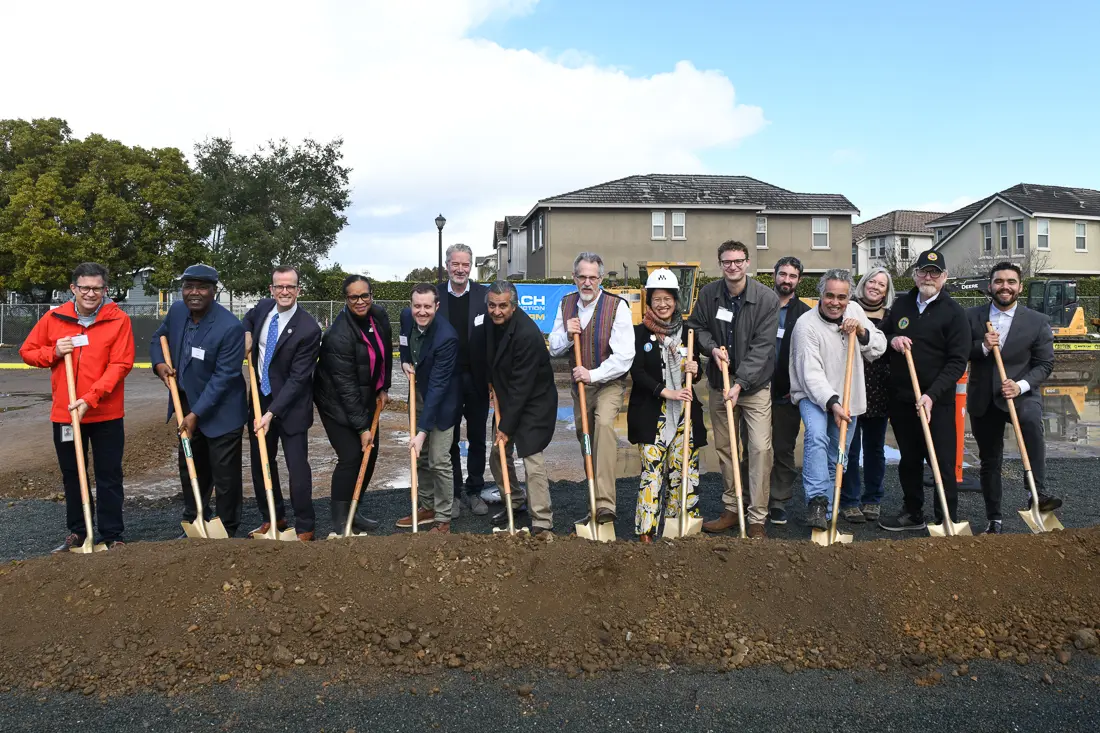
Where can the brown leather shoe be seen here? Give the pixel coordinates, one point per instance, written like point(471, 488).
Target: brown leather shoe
point(423, 516)
point(645, 539)
point(305, 536)
point(264, 528)
point(756, 532)
point(442, 528)
point(725, 521)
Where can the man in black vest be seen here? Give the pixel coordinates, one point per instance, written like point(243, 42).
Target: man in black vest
point(1027, 349)
point(462, 304)
point(282, 341)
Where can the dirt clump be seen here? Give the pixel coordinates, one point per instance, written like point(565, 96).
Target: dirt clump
point(175, 616)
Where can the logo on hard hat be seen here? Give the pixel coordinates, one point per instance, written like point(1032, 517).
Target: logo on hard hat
point(903, 323)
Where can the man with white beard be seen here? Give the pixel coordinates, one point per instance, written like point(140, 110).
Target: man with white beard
point(606, 331)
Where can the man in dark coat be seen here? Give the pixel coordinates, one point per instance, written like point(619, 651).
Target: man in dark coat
point(1027, 350)
point(282, 341)
point(523, 380)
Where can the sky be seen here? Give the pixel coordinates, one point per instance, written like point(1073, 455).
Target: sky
point(478, 108)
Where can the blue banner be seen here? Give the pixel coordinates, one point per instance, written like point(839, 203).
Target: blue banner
point(541, 302)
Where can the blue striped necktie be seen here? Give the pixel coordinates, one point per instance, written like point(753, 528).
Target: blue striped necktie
point(269, 350)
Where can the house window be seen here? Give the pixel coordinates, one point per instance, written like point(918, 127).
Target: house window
point(939, 235)
point(761, 232)
point(1020, 235)
point(1042, 228)
point(987, 238)
point(871, 247)
point(1002, 234)
point(540, 231)
point(820, 228)
point(1079, 226)
point(679, 225)
point(855, 258)
point(658, 225)
point(903, 250)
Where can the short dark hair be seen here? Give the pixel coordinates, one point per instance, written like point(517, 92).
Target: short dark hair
point(1006, 266)
point(503, 287)
point(356, 279)
point(283, 269)
point(671, 291)
point(789, 262)
point(732, 245)
point(90, 269)
point(424, 289)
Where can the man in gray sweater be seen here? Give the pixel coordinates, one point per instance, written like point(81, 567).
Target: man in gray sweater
point(742, 315)
point(819, 356)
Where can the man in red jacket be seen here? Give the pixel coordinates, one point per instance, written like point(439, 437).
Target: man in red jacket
point(98, 335)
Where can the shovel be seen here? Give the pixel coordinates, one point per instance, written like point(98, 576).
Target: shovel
point(1036, 520)
point(89, 545)
point(831, 535)
point(200, 528)
point(686, 525)
point(733, 445)
point(273, 532)
point(947, 528)
point(590, 530)
point(359, 481)
point(412, 455)
point(511, 530)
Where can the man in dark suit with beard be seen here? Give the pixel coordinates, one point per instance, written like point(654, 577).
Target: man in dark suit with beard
point(523, 380)
point(1027, 349)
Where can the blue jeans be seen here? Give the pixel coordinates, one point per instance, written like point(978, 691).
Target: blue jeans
point(872, 431)
point(820, 451)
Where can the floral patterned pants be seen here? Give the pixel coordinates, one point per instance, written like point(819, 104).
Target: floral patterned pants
point(657, 461)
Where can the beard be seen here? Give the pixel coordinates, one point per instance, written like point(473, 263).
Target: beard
point(1005, 299)
point(784, 288)
point(928, 290)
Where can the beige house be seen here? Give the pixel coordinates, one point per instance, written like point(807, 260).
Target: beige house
point(685, 218)
point(1048, 230)
point(893, 240)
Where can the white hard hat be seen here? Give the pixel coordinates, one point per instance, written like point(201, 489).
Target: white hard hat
point(662, 278)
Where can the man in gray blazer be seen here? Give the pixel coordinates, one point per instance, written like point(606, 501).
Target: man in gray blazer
point(1027, 348)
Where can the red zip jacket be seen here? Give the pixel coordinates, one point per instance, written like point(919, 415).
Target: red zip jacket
point(100, 368)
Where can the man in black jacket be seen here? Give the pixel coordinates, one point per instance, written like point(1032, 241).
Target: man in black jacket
point(523, 380)
point(786, 420)
point(462, 304)
point(1027, 350)
point(927, 322)
point(282, 341)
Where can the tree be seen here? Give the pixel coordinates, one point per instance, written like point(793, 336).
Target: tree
point(281, 205)
point(326, 284)
point(422, 275)
point(64, 201)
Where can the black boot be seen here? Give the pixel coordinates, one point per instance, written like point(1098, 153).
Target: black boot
point(359, 525)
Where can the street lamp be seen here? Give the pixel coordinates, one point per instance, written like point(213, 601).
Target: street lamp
point(439, 222)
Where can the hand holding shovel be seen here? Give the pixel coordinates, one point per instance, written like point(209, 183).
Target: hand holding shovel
point(89, 546)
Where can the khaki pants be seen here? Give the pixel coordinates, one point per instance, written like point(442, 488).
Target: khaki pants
point(755, 413)
point(604, 402)
point(436, 487)
point(538, 484)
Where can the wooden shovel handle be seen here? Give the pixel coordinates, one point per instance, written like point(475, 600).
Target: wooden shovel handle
point(1011, 402)
point(78, 439)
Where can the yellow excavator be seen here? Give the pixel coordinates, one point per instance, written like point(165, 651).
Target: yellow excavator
point(1057, 299)
point(687, 274)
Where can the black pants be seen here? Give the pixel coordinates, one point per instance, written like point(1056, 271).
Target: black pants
point(107, 439)
point(349, 456)
point(296, 453)
point(910, 436)
point(989, 432)
point(218, 467)
point(475, 409)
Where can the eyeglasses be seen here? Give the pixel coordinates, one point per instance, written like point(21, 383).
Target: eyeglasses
point(355, 298)
point(87, 289)
point(284, 288)
point(588, 278)
point(930, 273)
point(729, 264)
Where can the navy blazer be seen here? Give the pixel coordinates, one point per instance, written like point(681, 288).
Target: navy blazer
point(477, 325)
point(214, 385)
point(292, 364)
point(436, 372)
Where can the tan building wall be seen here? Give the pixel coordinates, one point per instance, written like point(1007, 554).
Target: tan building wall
point(625, 235)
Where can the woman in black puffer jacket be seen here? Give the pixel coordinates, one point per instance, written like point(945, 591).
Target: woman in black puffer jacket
point(353, 372)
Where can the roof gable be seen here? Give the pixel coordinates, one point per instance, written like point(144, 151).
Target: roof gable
point(900, 221)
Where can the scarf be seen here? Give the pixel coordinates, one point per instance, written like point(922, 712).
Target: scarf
point(669, 345)
point(873, 310)
point(659, 327)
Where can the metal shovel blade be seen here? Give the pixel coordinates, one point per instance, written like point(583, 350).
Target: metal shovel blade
point(504, 530)
point(693, 525)
point(960, 529)
point(593, 530)
point(275, 535)
point(213, 530)
point(1039, 522)
point(821, 537)
point(88, 547)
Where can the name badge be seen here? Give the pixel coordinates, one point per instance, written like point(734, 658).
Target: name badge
point(198, 353)
point(478, 320)
point(404, 340)
point(779, 333)
point(66, 433)
point(724, 315)
point(81, 340)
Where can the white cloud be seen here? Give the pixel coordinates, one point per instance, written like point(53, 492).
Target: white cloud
point(432, 116)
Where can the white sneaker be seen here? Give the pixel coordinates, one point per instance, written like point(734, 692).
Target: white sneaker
point(491, 494)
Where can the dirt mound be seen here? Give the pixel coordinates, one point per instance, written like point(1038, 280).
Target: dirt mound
point(174, 616)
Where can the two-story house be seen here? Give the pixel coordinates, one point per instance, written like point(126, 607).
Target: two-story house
point(684, 218)
point(510, 242)
point(1048, 230)
point(893, 240)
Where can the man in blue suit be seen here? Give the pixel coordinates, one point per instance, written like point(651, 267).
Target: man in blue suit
point(429, 349)
point(282, 341)
point(207, 344)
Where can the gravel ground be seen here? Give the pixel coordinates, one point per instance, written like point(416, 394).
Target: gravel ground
point(30, 527)
point(1004, 697)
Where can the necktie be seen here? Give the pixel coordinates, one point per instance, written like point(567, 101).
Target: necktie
point(269, 350)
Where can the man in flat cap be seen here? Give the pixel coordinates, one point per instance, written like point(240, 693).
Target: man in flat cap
point(207, 345)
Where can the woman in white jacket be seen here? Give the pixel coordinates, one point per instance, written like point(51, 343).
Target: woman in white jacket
point(819, 347)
